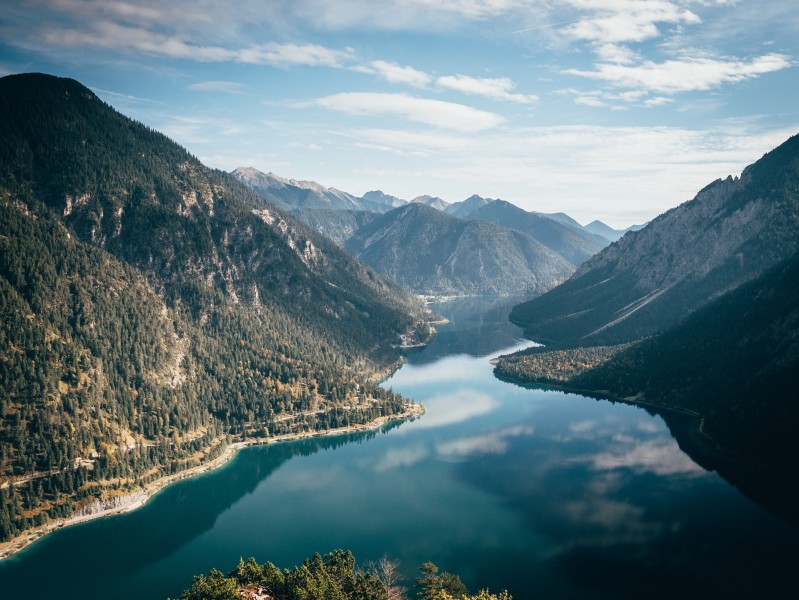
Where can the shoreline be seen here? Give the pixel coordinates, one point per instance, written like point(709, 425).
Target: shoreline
point(138, 498)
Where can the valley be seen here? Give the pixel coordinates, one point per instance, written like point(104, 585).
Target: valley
point(464, 300)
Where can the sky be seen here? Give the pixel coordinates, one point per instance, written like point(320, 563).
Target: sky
point(603, 109)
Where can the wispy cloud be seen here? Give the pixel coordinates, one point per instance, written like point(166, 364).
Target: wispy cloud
point(400, 15)
point(227, 87)
point(685, 74)
point(293, 54)
point(394, 73)
point(497, 88)
point(615, 21)
point(445, 115)
point(116, 36)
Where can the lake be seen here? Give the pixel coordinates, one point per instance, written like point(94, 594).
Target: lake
point(547, 494)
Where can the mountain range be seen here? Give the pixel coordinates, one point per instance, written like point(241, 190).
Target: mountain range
point(457, 259)
point(294, 195)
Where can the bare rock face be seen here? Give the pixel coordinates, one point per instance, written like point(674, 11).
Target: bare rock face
point(690, 240)
point(730, 233)
point(114, 503)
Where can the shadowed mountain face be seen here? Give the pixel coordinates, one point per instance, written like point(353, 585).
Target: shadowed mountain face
point(731, 232)
point(429, 252)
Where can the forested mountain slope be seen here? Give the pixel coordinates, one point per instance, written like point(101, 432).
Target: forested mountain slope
point(730, 233)
point(429, 252)
point(150, 310)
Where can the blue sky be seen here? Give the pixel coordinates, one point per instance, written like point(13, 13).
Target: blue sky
point(609, 109)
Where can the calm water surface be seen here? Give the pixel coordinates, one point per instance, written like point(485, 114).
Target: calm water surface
point(549, 495)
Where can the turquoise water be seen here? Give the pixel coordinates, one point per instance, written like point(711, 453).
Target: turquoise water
point(547, 494)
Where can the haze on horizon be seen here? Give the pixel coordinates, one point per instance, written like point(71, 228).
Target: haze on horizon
point(608, 109)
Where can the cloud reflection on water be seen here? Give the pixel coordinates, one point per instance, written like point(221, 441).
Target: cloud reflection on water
point(659, 456)
point(488, 443)
point(455, 407)
point(401, 457)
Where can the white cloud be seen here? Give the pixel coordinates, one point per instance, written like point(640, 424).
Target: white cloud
point(615, 100)
point(394, 73)
point(496, 88)
point(115, 36)
point(615, 53)
point(445, 115)
point(615, 21)
point(685, 74)
point(293, 54)
point(227, 87)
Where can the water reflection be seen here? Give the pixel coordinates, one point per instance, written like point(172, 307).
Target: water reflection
point(547, 494)
point(478, 326)
point(120, 546)
point(460, 405)
point(624, 512)
point(775, 490)
point(495, 442)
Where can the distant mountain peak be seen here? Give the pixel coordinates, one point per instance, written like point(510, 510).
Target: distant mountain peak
point(383, 198)
point(431, 201)
point(463, 208)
